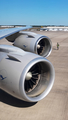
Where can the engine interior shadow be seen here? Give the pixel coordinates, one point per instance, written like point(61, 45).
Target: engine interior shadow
point(10, 100)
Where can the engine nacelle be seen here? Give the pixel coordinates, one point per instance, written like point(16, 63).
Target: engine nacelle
point(25, 75)
point(34, 43)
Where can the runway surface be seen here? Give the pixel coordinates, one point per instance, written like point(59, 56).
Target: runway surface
point(55, 105)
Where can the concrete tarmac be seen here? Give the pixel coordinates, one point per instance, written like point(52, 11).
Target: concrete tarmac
point(55, 105)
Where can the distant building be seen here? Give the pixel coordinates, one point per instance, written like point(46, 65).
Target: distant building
point(57, 28)
point(43, 29)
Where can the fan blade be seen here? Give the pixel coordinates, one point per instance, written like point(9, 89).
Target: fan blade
point(35, 74)
point(30, 85)
point(34, 82)
point(26, 86)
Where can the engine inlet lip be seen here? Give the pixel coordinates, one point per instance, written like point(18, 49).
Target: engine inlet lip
point(43, 37)
point(22, 80)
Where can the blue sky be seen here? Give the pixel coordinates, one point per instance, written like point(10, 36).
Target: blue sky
point(33, 12)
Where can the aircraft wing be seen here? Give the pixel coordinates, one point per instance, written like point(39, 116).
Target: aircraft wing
point(7, 32)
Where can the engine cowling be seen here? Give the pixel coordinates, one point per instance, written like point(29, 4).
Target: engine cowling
point(32, 42)
point(25, 75)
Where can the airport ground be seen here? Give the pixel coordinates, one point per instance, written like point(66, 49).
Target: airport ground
point(55, 105)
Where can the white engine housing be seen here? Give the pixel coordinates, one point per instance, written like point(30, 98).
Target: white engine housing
point(34, 43)
point(14, 66)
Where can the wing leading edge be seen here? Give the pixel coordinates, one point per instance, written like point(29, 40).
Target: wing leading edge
point(7, 32)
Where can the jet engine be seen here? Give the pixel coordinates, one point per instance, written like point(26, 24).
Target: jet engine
point(25, 75)
point(32, 42)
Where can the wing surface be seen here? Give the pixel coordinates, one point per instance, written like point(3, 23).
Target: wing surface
point(7, 32)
